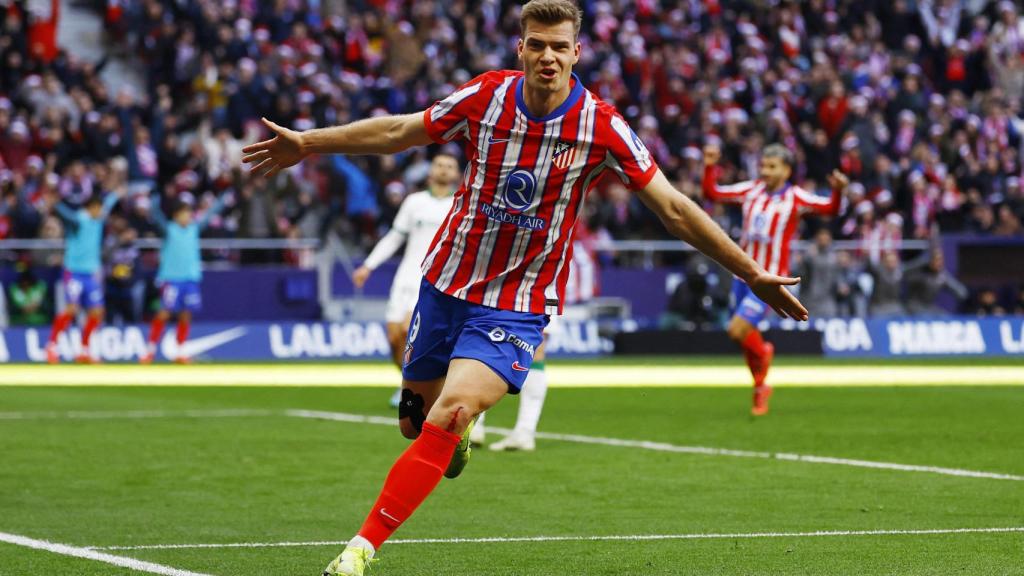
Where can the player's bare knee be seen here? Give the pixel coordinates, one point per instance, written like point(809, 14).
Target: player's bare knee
point(452, 416)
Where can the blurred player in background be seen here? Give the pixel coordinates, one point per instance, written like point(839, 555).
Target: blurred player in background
point(535, 142)
point(416, 223)
point(772, 208)
point(181, 269)
point(83, 271)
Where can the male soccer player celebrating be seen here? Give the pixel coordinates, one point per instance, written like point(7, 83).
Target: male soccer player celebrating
point(772, 208)
point(180, 271)
point(535, 142)
point(83, 269)
point(418, 219)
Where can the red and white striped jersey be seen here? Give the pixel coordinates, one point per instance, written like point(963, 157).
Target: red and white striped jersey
point(507, 241)
point(769, 219)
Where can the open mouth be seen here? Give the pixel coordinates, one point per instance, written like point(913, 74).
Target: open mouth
point(548, 73)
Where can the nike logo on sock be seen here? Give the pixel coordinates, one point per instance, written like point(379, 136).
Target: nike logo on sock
point(384, 513)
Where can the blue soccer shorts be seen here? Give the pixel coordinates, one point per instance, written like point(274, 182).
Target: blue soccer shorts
point(746, 304)
point(83, 290)
point(444, 328)
point(181, 296)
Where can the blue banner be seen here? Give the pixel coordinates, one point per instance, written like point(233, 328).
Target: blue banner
point(946, 336)
point(263, 341)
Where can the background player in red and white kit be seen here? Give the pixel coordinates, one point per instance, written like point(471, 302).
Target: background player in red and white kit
point(535, 142)
point(416, 223)
point(772, 208)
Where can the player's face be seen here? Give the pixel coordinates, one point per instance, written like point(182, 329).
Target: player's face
point(774, 172)
point(444, 171)
point(183, 217)
point(548, 52)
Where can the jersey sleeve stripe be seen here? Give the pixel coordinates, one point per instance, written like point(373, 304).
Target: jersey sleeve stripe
point(739, 188)
point(640, 153)
point(806, 197)
point(442, 108)
point(462, 126)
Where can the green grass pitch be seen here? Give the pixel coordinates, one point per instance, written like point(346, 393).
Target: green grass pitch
point(126, 466)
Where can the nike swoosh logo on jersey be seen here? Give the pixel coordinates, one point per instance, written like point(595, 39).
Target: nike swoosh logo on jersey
point(493, 140)
point(517, 367)
point(198, 346)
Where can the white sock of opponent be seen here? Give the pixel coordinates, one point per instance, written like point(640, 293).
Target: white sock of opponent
point(531, 401)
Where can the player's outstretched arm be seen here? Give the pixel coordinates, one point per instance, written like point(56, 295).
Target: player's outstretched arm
point(690, 223)
point(731, 194)
point(381, 135)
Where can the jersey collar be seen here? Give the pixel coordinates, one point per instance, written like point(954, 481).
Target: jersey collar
point(574, 95)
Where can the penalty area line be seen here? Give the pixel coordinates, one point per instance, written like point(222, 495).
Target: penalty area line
point(91, 554)
point(595, 538)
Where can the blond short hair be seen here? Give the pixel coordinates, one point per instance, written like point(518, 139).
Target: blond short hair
point(552, 12)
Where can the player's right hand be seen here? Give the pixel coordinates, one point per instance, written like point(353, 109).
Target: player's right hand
point(772, 290)
point(360, 276)
point(712, 154)
point(271, 156)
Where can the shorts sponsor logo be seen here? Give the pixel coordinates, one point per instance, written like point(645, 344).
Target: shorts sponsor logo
point(501, 335)
point(519, 367)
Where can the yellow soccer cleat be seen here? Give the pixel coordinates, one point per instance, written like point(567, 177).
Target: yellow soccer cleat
point(351, 562)
point(462, 453)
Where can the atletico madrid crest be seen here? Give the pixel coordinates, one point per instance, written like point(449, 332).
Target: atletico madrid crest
point(563, 155)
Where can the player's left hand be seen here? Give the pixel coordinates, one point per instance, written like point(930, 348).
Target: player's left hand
point(837, 180)
point(772, 290)
point(271, 156)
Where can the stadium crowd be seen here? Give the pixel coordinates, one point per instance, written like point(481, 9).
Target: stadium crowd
point(919, 102)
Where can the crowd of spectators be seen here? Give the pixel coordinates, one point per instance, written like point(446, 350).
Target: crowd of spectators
point(918, 101)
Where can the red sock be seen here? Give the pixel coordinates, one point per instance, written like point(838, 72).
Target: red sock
point(90, 325)
point(183, 327)
point(753, 349)
point(155, 330)
point(60, 323)
point(412, 478)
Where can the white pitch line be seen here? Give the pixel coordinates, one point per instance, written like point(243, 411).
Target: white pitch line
point(134, 414)
point(627, 538)
point(701, 450)
point(577, 438)
point(90, 554)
